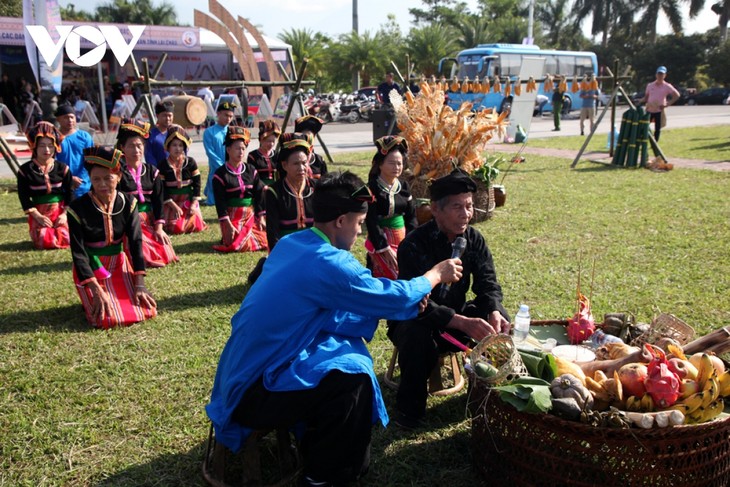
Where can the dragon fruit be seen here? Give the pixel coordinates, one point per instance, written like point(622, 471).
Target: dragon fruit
point(661, 383)
point(581, 326)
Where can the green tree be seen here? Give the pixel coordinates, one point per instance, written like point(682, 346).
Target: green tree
point(427, 45)
point(721, 8)
point(559, 28)
point(313, 46)
point(136, 12)
point(11, 8)
point(359, 53)
point(473, 30)
point(682, 55)
point(650, 15)
point(70, 13)
point(717, 66)
point(606, 15)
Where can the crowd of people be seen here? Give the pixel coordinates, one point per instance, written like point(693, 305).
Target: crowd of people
point(303, 365)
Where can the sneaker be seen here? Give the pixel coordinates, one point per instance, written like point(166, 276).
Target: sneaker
point(406, 422)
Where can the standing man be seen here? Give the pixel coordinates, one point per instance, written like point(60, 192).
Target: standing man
point(297, 355)
point(385, 88)
point(590, 98)
point(214, 142)
point(658, 95)
point(419, 339)
point(557, 100)
point(73, 143)
point(155, 151)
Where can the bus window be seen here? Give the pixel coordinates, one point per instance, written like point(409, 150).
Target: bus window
point(551, 65)
point(510, 64)
point(583, 66)
point(566, 65)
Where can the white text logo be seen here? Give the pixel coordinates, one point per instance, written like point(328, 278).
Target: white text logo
point(102, 36)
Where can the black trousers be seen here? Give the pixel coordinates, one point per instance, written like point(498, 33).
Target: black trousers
point(338, 419)
point(419, 348)
point(657, 119)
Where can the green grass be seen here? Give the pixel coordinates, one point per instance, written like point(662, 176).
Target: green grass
point(704, 143)
point(125, 407)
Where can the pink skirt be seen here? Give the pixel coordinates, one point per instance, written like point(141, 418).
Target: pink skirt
point(46, 238)
point(190, 221)
point(250, 237)
point(380, 268)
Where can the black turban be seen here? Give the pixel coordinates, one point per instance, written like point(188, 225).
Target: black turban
point(457, 182)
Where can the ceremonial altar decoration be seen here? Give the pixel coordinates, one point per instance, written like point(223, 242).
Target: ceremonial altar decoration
point(647, 410)
point(441, 139)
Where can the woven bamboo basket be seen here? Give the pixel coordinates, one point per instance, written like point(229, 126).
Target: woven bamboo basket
point(484, 202)
point(666, 326)
point(514, 448)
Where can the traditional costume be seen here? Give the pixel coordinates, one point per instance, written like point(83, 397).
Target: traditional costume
point(418, 340)
point(264, 163)
point(148, 191)
point(298, 340)
point(392, 215)
point(311, 125)
point(238, 199)
point(155, 151)
point(47, 190)
point(97, 233)
point(72, 152)
point(181, 186)
point(287, 211)
point(214, 139)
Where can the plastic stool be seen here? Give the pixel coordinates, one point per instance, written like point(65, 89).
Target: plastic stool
point(436, 385)
point(217, 456)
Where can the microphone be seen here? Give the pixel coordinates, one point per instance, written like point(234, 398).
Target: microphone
point(457, 248)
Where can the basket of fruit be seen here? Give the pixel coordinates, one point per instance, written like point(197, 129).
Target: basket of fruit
point(641, 417)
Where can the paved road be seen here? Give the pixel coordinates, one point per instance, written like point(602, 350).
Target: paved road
point(344, 137)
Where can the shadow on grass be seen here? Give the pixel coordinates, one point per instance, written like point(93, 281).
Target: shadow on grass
point(227, 296)
point(179, 469)
point(60, 319)
point(18, 246)
point(12, 221)
point(590, 166)
point(31, 269)
point(195, 247)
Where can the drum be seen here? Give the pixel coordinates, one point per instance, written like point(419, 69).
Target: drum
point(189, 111)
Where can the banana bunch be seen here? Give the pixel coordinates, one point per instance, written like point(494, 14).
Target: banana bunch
point(706, 404)
point(645, 404)
point(607, 392)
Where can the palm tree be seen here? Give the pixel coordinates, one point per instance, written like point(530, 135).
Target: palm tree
point(560, 29)
point(650, 16)
point(70, 13)
point(363, 54)
point(428, 45)
point(474, 30)
point(603, 13)
point(311, 45)
point(721, 8)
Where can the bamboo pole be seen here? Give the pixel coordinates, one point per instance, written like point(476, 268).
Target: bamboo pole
point(9, 157)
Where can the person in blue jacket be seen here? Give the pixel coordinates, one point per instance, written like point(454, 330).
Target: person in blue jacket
point(214, 139)
point(73, 143)
point(297, 355)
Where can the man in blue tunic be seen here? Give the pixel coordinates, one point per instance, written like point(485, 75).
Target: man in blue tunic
point(297, 354)
point(155, 151)
point(73, 143)
point(214, 142)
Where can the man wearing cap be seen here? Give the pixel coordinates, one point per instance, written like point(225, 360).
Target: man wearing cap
point(73, 143)
point(214, 140)
point(297, 356)
point(589, 97)
point(419, 340)
point(310, 126)
point(155, 151)
point(658, 95)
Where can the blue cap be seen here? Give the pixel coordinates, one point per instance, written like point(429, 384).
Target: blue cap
point(661, 69)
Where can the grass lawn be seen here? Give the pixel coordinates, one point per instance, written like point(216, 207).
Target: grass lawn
point(125, 407)
point(709, 143)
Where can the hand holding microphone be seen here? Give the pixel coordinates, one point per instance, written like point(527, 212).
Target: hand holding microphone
point(457, 249)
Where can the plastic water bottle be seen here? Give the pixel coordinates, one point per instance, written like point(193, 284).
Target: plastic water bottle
point(600, 338)
point(522, 324)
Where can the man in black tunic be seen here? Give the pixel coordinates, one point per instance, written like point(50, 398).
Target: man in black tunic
point(419, 340)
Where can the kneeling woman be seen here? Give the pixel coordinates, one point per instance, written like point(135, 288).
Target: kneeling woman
point(238, 191)
point(111, 288)
point(289, 200)
point(393, 213)
point(44, 189)
point(181, 185)
point(156, 244)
